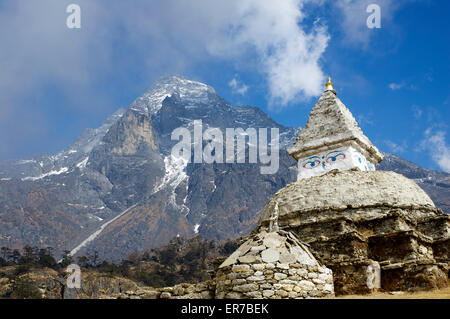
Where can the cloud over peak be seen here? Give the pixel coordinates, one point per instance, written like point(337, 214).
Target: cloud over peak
point(289, 56)
point(161, 35)
point(237, 87)
point(435, 143)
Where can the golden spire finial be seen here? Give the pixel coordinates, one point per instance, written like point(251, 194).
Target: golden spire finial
point(329, 85)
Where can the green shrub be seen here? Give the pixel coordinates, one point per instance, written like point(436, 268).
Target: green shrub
point(25, 289)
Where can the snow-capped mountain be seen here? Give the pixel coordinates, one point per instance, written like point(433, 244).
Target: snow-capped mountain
point(189, 91)
point(117, 189)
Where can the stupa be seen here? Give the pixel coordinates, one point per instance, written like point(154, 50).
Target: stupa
point(374, 229)
point(342, 228)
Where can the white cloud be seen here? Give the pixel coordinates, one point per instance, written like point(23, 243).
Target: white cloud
point(354, 17)
point(436, 144)
point(288, 55)
point(396, 86)
point(396, 148)
point(417, 111)
point(237, 87)
point(365, 119)
point(402, 85)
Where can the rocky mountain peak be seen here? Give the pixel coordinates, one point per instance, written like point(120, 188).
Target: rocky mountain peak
point(189, 91)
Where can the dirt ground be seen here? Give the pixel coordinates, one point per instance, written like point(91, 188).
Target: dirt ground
point(435, 294)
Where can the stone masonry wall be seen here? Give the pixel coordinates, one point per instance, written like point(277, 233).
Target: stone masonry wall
point(267, 265)
point(272, 281)
point(203, 290)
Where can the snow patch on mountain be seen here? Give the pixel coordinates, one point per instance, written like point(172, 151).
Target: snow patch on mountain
point(91, 216)
point(175, 172)
point(83, 163)
point(94, 235)
point(22, 162)
point(35, 178)
point(214, 185)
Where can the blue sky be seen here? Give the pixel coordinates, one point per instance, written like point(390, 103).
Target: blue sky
point(55, 81)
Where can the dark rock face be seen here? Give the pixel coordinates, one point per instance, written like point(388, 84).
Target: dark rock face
point(235, 198)
point(151, 222)
point(60, 200)
point(129, 158)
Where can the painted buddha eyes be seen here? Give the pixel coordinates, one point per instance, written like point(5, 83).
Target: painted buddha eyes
point(334, 156)
point(312, 163)
point(330, 158)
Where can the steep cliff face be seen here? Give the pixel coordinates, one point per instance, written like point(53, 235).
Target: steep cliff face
point(128, 156)
point(118, 190)
point(131, 134)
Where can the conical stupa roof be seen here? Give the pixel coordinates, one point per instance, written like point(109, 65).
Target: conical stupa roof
point(330, 123)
